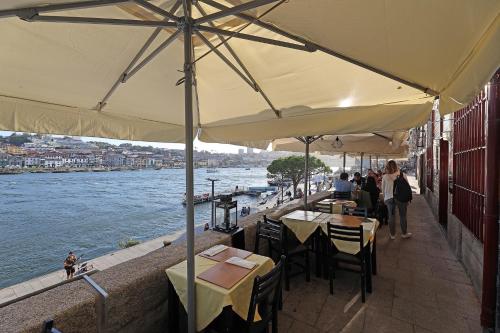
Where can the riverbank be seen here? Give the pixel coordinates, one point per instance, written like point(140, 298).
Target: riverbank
point(46, 215)
point(17, 171)
point(32, 286)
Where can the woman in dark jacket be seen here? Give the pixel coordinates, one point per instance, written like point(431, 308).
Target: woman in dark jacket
point(371, 187)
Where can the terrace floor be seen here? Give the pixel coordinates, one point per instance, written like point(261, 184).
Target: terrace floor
point(420, 287)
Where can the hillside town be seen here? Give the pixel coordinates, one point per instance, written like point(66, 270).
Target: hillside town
point(46, 153)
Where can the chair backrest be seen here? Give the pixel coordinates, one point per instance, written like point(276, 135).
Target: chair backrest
point(344, 233)
point(342, 195)
point(323, 208)
point(272, 231)
point(365, 200)
point(355, 211)
point(266, 294)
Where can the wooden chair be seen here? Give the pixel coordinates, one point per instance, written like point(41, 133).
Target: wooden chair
point(265, 299)
point(273, 232)
point(355, 211)
point(342, 195)
point(348, 234)
point(293, 249)
point(280, 243)
point(323, 209)
point(266, 294)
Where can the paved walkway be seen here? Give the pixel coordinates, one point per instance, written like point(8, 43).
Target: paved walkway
point(420, 288)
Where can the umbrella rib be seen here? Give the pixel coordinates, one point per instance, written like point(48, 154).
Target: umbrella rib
point(233, 10)
point(95, 20)
point(158, 10)
point(238, 60)
point(152, 55)
point(59, 7)
point(382, 136)
point(226, 60)
point(255, 38)
point(241, 29)
point(326, 50)
point(139, 54)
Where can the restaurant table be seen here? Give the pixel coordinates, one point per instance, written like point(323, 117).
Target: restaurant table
point(210, 298)
point(304, 224)
point(335, 204)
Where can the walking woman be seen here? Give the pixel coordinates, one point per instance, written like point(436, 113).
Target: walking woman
point(391, 174)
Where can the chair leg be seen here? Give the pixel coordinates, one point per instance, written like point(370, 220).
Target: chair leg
point(363, 283)
point(287, 276)
point(308, 267)
point(275, 322)
point(330, 277)
point(280, 302)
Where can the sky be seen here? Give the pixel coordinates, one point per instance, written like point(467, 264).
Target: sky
point(198, 145)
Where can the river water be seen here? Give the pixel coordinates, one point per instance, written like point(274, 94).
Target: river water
point(43, 216)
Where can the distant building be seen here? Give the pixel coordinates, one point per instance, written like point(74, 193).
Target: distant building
point(241, 151)
point(15, 150)
point(52, 160)
point(4, 159)
point(250, 150)
point(113, 160)
point(31, 161)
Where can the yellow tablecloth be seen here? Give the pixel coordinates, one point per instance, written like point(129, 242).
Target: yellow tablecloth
point(304, 223)
point(300, 222)
point(211, 299)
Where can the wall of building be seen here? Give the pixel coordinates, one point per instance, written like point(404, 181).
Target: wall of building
point(137, 289)
point(466, 247)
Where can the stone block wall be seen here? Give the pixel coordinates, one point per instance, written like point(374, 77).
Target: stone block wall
point(137, 289)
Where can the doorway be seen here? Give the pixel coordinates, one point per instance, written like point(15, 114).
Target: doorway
point(443, 182)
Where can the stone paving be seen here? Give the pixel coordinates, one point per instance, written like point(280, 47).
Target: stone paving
point(420, 288)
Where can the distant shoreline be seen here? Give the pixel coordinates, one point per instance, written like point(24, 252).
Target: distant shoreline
point(17, 171)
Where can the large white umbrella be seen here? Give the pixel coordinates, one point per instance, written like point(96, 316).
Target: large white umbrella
point(127, 69)
point(377, 143)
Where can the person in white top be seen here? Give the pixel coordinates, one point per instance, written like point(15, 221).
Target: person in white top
point(391, 173)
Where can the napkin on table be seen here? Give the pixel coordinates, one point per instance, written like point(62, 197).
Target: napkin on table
point(215, 250)
point(241, 262)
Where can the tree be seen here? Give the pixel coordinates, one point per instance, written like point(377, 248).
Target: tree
point(18, 139)
point(292, 167)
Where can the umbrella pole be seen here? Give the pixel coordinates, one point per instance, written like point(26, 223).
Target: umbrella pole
point(344, 162)
point(361, 165)
point(306, 172)
point(188, 110)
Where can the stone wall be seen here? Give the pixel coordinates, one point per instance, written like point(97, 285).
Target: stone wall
point(466, 247)
point(137, 289)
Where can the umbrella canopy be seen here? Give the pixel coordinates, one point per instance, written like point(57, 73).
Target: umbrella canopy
point(381, 143)
point(287, 77)
point(114, 68)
